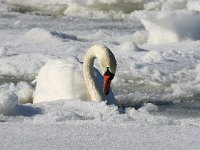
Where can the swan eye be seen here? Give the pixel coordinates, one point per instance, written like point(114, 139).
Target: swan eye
point(109, 73)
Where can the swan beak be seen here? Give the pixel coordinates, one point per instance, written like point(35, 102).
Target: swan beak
point(107, 82)
point(107, 78)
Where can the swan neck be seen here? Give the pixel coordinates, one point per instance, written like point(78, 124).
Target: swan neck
point(105, 58)
point(90, 78)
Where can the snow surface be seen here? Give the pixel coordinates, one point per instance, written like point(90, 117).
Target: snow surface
point(156, 44)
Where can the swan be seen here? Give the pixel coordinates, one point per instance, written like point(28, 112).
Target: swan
point(71, 79)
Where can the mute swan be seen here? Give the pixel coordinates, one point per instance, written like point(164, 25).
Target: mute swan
point(64, 79)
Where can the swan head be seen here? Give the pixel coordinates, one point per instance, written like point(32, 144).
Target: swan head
point(108, 66)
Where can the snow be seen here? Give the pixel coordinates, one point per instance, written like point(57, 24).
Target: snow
point(156, 44)
point(100, 137)
point(171, 21)
point(8, 101)
point(193, 5)
point(75, 124)
point(3, 51)
point(78, 7)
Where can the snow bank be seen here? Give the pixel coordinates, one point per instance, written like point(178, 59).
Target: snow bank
point(38, 35)
point(26, 66)
point(173, 21)
point(174, 5)
point(12, 94)
point(21, 67)
point(24, 92)
point(79, 7)
point(3, 8)
point(76, 110)
point(3, 51)
point(128, 48)
point(193, 5)
point(153, 56)
point(185, 90)
point(41, 7)
point(169, 5)
point(98, 8)
point(68, 110)
point(174, 26)
point(140, 37)
point(8, 100)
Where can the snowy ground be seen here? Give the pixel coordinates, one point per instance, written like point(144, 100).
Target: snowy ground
point(157, 79)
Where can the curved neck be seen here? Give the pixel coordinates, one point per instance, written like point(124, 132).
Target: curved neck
point(105, 58)
point(95, 93)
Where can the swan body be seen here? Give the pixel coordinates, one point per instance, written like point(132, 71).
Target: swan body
point(69, 79)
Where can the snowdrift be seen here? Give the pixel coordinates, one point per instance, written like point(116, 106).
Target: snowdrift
point(174, 26)
point(68, 7)
point(166, 21)
point(98, 8)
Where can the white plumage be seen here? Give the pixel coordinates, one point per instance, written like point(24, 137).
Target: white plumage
point(64, 79)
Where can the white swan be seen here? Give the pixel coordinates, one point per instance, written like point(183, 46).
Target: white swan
point(64, 79)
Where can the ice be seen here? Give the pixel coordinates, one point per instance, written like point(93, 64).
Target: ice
point(140, 37)
point(38, 35)
point(8, 101)
point(168, 23)
point(50, 7)
point(165, 27)
point(12, 67)
point(3, 51)
point(193, 5)
point(153, 56)
point(82, 8)
point(156, 44)
point(153, 5)
point(174, 5)
point(168, 5)
point(129, 48)
point(98, 8)
point(24, 92)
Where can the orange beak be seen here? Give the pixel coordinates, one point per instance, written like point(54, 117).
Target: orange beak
point(108, 76)
point(106, 85)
